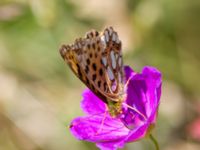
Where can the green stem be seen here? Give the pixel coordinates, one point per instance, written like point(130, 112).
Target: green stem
point(154, 142)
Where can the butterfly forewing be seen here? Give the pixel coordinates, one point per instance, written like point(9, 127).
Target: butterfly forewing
point(97, 61)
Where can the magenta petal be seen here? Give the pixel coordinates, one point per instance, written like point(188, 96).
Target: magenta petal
point(153, 83)
point(91, 104)
point(144, 91)
point(111, 145)
point(94, 129)
point(128, 72)
point(136, 93)
point(137, 133)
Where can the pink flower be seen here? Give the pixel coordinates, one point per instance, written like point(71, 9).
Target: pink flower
point(143, 94)
point(193, 129)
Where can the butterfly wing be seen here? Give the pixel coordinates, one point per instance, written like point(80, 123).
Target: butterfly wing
point(97, 61)
point(113, 64)
point(72, 55)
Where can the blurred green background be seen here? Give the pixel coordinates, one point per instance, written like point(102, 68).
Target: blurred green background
point(39, 95)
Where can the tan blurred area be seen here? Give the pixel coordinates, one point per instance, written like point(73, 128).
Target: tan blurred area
point(39, 95)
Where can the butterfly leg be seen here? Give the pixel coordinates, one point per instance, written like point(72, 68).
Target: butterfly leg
point(102, 123)
point(127, 82)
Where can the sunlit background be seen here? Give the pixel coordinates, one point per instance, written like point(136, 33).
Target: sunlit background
point(39, 95)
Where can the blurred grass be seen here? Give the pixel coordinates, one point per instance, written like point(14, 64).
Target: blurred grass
point(36, 84)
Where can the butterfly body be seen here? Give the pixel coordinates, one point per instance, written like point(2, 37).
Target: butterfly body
point(97, 61)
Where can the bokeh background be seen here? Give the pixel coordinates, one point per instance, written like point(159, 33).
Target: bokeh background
point(39, 95)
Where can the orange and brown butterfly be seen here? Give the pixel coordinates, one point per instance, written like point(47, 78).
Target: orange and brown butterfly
point(97, 61)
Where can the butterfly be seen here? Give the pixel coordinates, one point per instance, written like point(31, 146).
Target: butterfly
point(97, 61)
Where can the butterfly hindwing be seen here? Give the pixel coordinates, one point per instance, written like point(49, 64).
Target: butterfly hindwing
point(112, 60)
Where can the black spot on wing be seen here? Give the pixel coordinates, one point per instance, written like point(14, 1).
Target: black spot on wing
point(94, 76)
point(88, 61)
point(100, 71)
point(94, 66)
point(99, 84)
point(87, 69)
